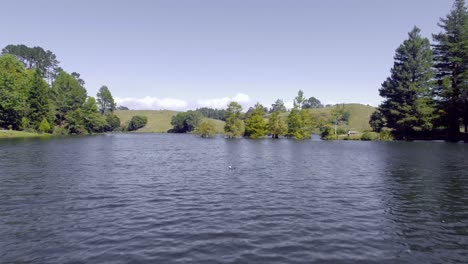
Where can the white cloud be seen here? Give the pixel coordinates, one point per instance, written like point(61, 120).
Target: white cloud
point(220, 103)
point(154, 103)
point(289, 105)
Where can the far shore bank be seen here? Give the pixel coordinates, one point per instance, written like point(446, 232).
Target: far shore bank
point(368, 136)
point(21, 134)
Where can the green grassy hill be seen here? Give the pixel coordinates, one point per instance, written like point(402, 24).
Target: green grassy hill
point(359, 115)
point(358, 119)
point(159, 121)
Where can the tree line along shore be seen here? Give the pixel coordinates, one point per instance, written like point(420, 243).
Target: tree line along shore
point(425, 97)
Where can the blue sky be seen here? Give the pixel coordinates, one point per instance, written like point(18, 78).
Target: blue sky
point(179, 54)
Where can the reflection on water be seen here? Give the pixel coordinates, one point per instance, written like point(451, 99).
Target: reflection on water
point(172, 198)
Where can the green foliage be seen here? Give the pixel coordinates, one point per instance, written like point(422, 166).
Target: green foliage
point(35, 57)
point(368, 136)
point(112, 122)
point(207, 128)
point(339, 115)
point(14, 89)
point(299, 100)
point(451, 64)
point(326, 132)
point(92, 120)
point(341, 131)
point(44, 126)
point(77, 77)
point(186, 121)
point(255, 126)
point(121, 107)
point(38, 105)
point(408, 105)
point(137, 122)
point(278, 106)
point(105, 101)
point(276, 125)
point(68, 95)
point(59, 131)
point(376, 121)
point(312, 102)
point(74, 122)
point(234, 126)
point(299, 124)
point(385, 135)
point(219, 114)
point(25, 123)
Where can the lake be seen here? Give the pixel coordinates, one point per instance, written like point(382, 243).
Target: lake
point(167, 198)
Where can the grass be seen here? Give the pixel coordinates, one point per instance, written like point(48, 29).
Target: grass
point(358, 119)
point(219, 125)
point(159, 121)
point(21, 134)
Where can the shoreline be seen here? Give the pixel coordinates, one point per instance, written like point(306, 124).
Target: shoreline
point(14, 134)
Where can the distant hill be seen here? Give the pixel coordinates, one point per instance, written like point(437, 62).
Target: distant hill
point(359, 115)
point(159, 121)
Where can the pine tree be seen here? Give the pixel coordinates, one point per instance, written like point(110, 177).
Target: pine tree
point(105, 100)
point(44, 126)
point(38, 100)
point(407, 107)
point(451, 63)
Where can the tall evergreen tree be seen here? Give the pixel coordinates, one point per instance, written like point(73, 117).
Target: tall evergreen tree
point(68, 95)
point(451, 64)
point(36, 57)
point(38, 107)
point(105, 100)
point(376, 121)
point(255, 126)
point(407, 107)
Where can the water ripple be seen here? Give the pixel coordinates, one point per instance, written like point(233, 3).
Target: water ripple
point(172, 199)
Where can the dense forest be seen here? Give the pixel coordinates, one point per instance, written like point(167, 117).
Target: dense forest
point(426, 95)
point(36, 95)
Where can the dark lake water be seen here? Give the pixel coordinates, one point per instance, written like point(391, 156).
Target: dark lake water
point(173, 199)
